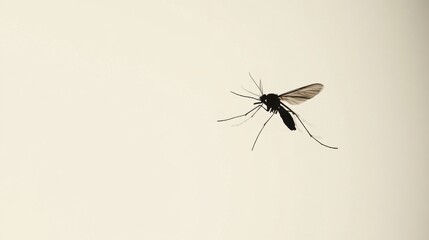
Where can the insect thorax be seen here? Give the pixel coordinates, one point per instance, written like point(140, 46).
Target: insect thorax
point(272, 101)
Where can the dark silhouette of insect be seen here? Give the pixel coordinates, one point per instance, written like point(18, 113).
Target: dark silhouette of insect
point(273, 103)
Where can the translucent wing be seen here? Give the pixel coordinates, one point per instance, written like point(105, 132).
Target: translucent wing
point(302, 94)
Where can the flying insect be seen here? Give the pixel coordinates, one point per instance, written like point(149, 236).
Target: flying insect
point(273, 103)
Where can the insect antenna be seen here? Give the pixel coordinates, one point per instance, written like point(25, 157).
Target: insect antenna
point(261, 130)
point(296, 115)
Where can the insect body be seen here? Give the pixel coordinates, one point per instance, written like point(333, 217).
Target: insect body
point(273, 103)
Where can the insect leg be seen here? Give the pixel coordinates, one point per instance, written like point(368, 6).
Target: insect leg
point(257, 110)
point(242, 115)
point(251, 116)
point(240, 95)
point(261, 130)
point(254, 94)
point(296, 115)
point(259, 87)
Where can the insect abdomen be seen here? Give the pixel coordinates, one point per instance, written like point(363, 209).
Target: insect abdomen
point(287, 118)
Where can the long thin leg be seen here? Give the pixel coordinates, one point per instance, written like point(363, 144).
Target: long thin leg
point(251, 116)
point(242, 115)
point(240, 95)
point(254, 94)
point(296, 115)
point(257, 110)
point(260, 90)
point(261, 130)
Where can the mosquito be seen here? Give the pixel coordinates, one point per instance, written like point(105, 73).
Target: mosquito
point(273, 103)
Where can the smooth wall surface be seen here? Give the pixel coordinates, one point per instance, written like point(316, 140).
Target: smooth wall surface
point(108, 116)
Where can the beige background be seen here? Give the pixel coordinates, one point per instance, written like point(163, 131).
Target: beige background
point(108, 120)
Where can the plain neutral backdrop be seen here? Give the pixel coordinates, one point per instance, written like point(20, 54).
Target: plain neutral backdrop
point(108, 116)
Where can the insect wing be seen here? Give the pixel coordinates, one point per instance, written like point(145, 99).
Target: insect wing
point(302, 94)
